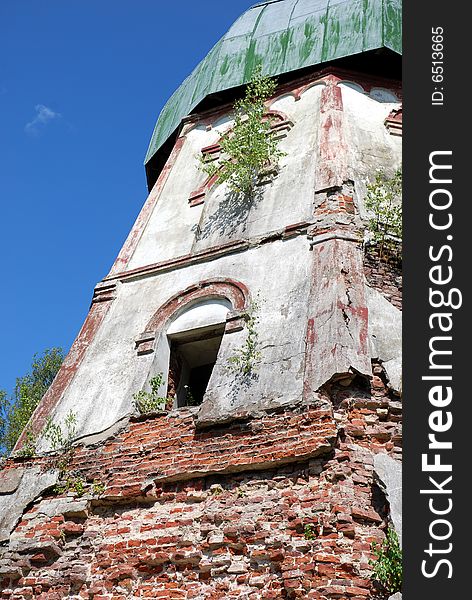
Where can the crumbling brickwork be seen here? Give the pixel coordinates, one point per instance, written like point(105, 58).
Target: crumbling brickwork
point(270, 489)
point(281, 505)
point(385, 276)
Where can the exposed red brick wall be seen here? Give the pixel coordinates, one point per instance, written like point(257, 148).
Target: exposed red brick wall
point(281, 505)
point(385, 276)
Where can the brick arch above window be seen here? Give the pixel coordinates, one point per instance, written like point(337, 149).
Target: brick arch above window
point(234, 291)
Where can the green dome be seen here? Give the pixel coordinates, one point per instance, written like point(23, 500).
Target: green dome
point(283, 35)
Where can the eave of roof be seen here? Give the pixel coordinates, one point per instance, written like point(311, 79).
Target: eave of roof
point(283, 36)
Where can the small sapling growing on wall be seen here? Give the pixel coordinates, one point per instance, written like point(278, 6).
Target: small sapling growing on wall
point(387, 568)
point(57, 438)
point(383, 201)
point(250, 149)
point(244, 359)
point(148, 402)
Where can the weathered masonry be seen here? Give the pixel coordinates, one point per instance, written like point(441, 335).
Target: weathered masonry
point(261, 483)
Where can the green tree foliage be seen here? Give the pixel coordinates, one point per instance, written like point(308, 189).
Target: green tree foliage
point(148, 402)
point(16, 410)
point(59, 438)
point(383, 200)
point(387, 568)
point(250, 149)
point(245, 358)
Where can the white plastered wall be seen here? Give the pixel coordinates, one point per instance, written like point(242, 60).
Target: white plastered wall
point(102, 389)
point(175, 228)
point(101, 392)
point(370, 144)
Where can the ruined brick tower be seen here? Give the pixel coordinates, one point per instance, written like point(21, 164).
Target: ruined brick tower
point(261, 484)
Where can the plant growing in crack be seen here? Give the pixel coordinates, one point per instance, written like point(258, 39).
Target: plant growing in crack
point(28, 449)
point(387, 566)
point(383, 201)
point(98, 487)
point(245, 358)
point(250, 151)
point(71, 482)
point(309, 531)
point(60, 437)
point(148, 402)
point(216, 490)
point(240, 493)
point(54, 434)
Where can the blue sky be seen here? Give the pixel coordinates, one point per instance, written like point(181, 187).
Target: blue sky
point(81, 85)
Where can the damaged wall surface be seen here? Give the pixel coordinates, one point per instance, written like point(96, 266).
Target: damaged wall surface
point(284, 505)
point(278, 482)
point(293, 220)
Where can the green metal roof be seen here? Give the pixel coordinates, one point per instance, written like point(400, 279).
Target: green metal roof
point(284, 36)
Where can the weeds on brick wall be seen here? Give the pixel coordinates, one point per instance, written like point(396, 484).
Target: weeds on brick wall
point(387, 566)
point(148, 402)
point(72, 483)
point(383, 201)
point(245, 358)
point(98, 487)
point(53, 433)
point(216, 490)
point(59, 438)
point(250, 151)
point(240, 493)
point(28, 449)
point(309, 531)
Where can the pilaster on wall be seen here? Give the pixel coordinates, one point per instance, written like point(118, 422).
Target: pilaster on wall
point(337, 329)
point(337, 336)
point(332, 159)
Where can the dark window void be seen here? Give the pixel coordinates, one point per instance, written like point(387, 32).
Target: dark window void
point(193, 355)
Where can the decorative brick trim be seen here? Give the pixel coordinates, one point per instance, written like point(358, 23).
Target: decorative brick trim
point(394, 122)
point(234, 291)
point(280, 126)
point(235, 321)
point(335, 234)
point(104, 292)
point(332, 163)
point(212, 152)
point(103, 298)
point(296, 88)
point(337, 345)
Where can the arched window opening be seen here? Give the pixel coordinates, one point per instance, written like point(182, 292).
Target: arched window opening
point(192, 358)
point(194, 340)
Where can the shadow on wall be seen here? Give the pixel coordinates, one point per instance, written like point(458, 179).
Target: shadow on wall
point(241, 384)
point(231, 213)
